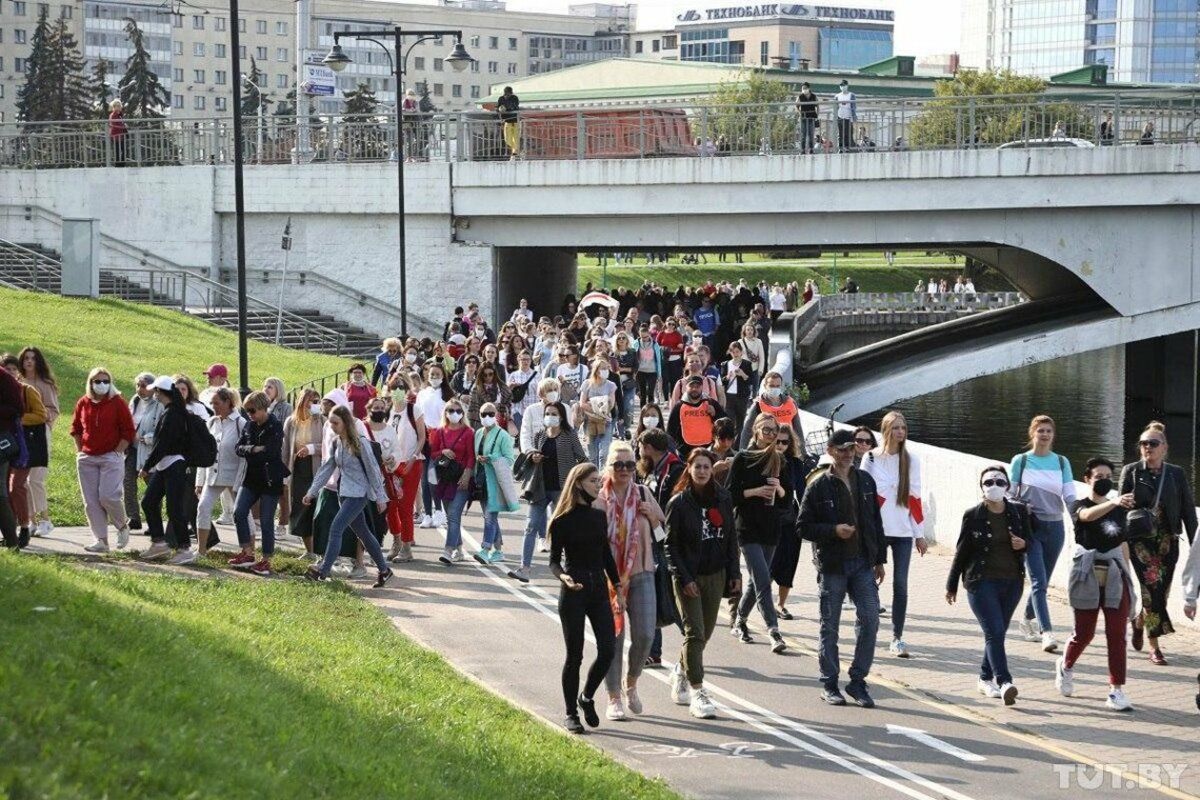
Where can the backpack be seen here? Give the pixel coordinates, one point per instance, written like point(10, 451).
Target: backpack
point(201, 444)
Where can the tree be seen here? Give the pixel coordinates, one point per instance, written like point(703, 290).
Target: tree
point(100, 92)
point(251, 98)
point(32, 97)
point(365, 137)
point(141, 92)
point(752, 112)
point(72, 94)
point(1002, 106)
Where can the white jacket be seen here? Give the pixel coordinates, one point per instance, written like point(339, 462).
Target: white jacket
point(1191, 575)
point(885, 469)
point(229, 468)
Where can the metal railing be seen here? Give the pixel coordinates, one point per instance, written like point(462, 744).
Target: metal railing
point(896, 302)
point(27, 269)
point(646, 131)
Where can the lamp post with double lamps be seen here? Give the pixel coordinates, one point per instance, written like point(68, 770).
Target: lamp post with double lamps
point(458, 59)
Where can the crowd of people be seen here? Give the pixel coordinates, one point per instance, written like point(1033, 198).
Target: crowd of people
point(654, 451)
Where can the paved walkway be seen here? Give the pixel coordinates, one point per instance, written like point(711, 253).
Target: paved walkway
point(506, 635)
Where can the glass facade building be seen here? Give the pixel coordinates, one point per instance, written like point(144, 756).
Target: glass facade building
point(851, 48)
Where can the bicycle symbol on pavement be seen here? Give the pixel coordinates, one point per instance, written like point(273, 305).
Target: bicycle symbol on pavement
point(727, 750)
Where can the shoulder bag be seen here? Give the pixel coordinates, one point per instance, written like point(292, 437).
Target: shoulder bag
point(1139, 522)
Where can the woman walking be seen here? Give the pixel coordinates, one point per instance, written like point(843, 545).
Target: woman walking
point(302, 435)
point(226, 473)
point(897, 476)
point(1042, 479)
point(452, 447)
point(793, 470)
point(409, 463)
point(431, 401)
point(1101, 579)
point(1162, 498)
point(702, 556)
point(102, 428)
point(494, 461)
point(649, 366)
point(736, 375)
point(632, 514)
point(165, 474)
point(756, 485)
point(279, 408)
point(988, 559)
point(596, 411)
point(37, 373)
point(489, 388)
point(261, 445)
point(580, 532)
point(361, 483)
point(32, 428)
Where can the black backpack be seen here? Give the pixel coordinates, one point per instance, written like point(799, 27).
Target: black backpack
point(201, 444)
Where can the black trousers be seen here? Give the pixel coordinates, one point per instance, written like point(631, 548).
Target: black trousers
point(845, 135)
point(646, 381)
point(172, 484)
point(131, 486)
point(591, 603)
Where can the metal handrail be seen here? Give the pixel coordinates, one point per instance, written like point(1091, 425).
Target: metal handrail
point(39, 261)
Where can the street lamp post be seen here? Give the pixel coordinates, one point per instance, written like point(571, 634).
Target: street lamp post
point(239, 202)
point(458, 59)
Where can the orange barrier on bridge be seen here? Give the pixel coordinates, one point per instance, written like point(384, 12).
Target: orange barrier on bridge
point(606, 134)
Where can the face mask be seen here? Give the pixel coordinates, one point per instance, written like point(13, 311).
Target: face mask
point(359, 380)
point(551, 420)
point(101, 387)
point(773, 392)
point(410, 357)
point(994, 493)
point(694, 396)
point(650, 422)
point(603, 374)
point(454, 416)
point(551, 397)
point(435, 382)
point(378, 416)
point(488, 420)
point(1102, 486)
point(314, 409)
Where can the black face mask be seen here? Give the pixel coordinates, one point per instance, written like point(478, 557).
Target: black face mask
point(378, 416)
point(1102, 486)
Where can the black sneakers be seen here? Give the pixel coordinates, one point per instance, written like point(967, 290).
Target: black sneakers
point(23, 538)
point(858, 693)
point(383, 578)
point(588, 707)
point(572, 724)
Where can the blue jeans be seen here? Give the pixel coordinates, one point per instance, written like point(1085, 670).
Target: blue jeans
point(351, 514)
point(454, 511)
point(246, 498)
point(535, 526)
point(808, 127)
point(993, 603)
point(629, 395)
point(491, 530)
point(597, 446)
point(902, 550)
point(1041, 554)
point(858, 580)
point(758, 562)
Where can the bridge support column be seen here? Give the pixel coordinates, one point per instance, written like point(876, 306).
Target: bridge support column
point(542, 275)
point(1162, 381)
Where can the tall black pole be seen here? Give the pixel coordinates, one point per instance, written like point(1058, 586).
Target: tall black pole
point(400, 183)
point(239, 201)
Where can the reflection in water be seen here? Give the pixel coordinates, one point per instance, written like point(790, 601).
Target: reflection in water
point(989, 416)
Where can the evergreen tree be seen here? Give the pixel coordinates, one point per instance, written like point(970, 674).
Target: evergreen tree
point(365, 137)
point(141, 92)
point(72, 93)
point(100, 93)
point(32, 97)
point(250, 97)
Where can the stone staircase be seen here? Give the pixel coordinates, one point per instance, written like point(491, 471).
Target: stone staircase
point(35, 268)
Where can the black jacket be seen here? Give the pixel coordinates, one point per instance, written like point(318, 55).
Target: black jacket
point(1179, 508)
point(265, 471)
point(975, 541)
point(170, 436)
point(756, 522)
point(819, 517)
point(684, 545)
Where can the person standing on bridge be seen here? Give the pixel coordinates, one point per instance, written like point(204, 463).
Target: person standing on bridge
point(897, 475)
point(807, 108)
point(1042, 479)
point(847, 115)
point(508, 107)
point(580, 532)
point(988, 560)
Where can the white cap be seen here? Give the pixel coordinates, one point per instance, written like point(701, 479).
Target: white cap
point(164, 383)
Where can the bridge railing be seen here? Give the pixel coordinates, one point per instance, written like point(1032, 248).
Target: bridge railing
point(889, 302)
point(645, 131)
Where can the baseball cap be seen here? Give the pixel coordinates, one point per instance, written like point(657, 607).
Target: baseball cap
point(841, 438)
point(692, 379)
point(217, 371)
point(164, 382)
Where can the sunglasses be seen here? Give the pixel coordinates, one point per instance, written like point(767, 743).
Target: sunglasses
point(487, 416)
point(783, 440)
point(1003, 484)
point(864, 441)
point(624, 465)
point(1149, 444)
point(844, 447)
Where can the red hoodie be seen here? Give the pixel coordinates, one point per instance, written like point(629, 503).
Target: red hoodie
point(103, 425)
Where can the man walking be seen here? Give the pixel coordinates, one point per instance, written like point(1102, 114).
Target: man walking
point(508, 107)
point(840, 516)
point(847, 115)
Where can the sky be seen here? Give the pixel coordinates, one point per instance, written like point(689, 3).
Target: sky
point(923, 27)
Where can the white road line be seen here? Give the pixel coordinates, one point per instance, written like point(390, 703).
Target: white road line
point(939, 791)
point(918, 735)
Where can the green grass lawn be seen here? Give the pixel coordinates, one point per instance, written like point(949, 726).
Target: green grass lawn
point(870, 270)
point(127, 338)
point(169, 687)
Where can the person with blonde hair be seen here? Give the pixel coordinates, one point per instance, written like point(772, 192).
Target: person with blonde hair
point(897, 475)
point(261, 445)
point(302, 436)
point(226, 473)
point(494, 458)
point(388, 352)
point(597, 409)
point(117, 131)
point(579, 531)
point(102, 428)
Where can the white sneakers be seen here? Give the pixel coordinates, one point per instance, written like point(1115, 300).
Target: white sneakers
point(458, 555)
point(1049, 643)
point(123, 538)
point(358, 573)
point(44, 528)
point(426, 521)
point(1064, 679)
point(543, 545)
point(681, 694)
point(97, 546)
point(898, 648)
point(701, 706)
point(615, 710)
point(156, 551)
point(988, 689)
point(439, 519)
point(633, 701)
point(1029, 630)
point(1008, 693)
point(183, 558)
point(1117, 701)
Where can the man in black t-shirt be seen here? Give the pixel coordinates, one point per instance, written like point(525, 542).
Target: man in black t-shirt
point(508, 107)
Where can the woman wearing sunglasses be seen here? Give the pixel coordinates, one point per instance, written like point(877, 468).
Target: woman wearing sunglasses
point(1162, 490)
point(793, 470)
point(632, 515)
point(988, 559)
point(864, 441)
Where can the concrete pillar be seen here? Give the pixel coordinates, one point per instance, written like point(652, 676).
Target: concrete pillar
point(81, 258)
point(542, 275)
point(1162, 378)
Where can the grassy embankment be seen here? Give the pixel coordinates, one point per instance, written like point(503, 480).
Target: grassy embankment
point(127, 338)
point(132, 685)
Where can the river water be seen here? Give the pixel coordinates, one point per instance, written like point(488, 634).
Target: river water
point(1085, 394)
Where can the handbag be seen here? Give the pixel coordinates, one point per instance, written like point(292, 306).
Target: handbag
point(523, 467)
point(665, 611)
point(519, 391)
point(479, 492)
point(448, 470)
point(1139, 522)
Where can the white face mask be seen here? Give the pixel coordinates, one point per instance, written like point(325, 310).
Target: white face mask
point(650, 422)
point(551, 397)
point(551, 420)
point(359, 380)
point(488, 422)
point(994, 493)
point(314, 409)
point(101, 387)
point(410, 357)
point(454, 416)
point(603, 373)
point(435, 382)
point(774, 392)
